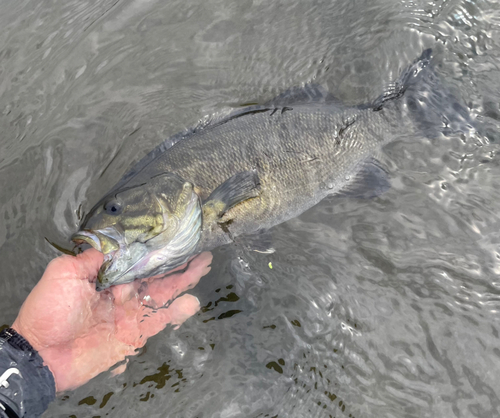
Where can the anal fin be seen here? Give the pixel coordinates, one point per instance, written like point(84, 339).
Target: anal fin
point(371, 181)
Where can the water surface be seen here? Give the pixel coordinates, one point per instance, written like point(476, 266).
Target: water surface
point(381, 308)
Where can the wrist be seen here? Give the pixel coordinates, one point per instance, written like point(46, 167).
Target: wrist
point(25, 382)
point(26, 334)
point(44, 352)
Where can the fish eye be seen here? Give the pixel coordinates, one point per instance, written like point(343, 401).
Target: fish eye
point(113, 207)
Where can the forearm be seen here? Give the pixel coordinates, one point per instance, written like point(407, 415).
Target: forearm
point(26, 385)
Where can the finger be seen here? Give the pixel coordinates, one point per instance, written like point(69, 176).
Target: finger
point(88, 264)
point(45, 318)
point(172, 287)
point(176, 314)
point(203, 259)
point(183, 266)
point(125, 292)
point(161, 291)
point(182, 309)
point(120, 369)
point(152, 322)
point(66, 267)
point(202, 256)
point(135, 322)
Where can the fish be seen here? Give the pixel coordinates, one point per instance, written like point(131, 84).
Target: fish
point(257, 166)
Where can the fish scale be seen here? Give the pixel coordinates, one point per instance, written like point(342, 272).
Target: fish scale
point(272, 144)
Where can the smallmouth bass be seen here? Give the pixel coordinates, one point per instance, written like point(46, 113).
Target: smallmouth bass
point(256, 167)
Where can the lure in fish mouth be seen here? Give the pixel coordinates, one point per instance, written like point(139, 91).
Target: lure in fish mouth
point(143, 230)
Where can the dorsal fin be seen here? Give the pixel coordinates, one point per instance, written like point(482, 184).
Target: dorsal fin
point(307, 94)
point(207, 122)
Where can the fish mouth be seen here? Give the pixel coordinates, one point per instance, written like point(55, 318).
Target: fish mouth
point(106, 241)
point(101, 282)
point(119, 258)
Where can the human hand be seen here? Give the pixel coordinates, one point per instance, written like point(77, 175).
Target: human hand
point(80, 332)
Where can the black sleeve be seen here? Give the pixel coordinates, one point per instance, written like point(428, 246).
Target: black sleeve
point(26, 385)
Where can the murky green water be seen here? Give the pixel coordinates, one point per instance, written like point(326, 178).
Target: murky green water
point(380, 308)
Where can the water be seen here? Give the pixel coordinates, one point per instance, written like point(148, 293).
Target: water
point(381, 308)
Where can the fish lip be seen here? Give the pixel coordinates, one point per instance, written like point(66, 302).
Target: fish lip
point(88, 237)
point(97, 239)
point(92, 238)
point(100, 284)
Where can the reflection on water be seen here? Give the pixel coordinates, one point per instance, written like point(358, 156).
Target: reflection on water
point(381, 308)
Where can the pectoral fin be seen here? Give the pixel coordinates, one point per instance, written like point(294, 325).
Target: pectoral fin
point(240, 187)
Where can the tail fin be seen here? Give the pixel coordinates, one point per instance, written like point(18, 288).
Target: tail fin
point(428, 102)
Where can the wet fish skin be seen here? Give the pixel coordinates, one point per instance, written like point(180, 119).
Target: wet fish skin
point(301, 156)
point(262, 165)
